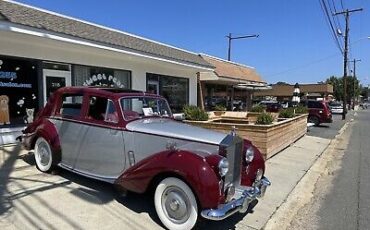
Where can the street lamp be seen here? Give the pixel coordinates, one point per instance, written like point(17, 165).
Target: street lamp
point(235, 38)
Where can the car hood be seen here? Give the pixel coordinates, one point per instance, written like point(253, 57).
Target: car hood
point(170, 128)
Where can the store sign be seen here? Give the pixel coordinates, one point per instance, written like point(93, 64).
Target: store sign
point(7, 78)
point(103, 80)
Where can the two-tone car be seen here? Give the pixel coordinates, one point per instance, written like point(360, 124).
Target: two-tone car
point(130, 139)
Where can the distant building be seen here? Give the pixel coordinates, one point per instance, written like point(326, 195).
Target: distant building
point(283, 92)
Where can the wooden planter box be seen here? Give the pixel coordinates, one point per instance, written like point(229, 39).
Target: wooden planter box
point(269, 139)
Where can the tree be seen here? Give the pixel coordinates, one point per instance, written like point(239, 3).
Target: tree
point(364, 91)
point(337, 84)
point(353, 88)
point(281, 83)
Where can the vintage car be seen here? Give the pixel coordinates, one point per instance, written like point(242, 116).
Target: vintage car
point(129, 139)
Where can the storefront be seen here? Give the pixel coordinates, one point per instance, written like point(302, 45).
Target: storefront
point(50, 54)
point(26, 84)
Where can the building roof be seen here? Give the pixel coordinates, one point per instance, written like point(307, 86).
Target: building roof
point(41, 19)
point(287, 90)
point(232, 70)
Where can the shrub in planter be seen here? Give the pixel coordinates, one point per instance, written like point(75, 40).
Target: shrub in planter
point(220, 108)
point(257, 109)
point(264, 119)
point(194, 113)
point(301, 109)
point(286, 113)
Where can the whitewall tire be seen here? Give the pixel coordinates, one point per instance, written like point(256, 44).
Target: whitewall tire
point(43, 155)
point(175, 204)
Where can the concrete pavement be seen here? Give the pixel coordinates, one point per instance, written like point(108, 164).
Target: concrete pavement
point(32, 200)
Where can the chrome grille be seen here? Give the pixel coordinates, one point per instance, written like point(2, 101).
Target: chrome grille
point(234, 154)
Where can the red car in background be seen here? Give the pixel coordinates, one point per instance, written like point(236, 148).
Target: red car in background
point(318, 112)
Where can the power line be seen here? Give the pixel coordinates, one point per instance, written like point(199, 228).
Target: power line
point(305, 65)
point(338, 25)
point(330, 24)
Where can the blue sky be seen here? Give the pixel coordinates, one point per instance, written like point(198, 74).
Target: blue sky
point(295, 44)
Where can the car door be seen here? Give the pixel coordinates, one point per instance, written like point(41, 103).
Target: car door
point(71, 131)
point(102, 152)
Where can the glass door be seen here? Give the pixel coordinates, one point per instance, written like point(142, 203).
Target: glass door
point(53, 80)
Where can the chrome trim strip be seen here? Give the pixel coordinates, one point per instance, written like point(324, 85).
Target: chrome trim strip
point(241, 204)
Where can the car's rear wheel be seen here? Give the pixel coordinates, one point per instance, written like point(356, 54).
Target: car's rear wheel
point(43, 155)
point(313, 119)
point(175, 204)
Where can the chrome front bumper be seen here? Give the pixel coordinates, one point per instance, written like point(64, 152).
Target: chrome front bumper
point(248, 194)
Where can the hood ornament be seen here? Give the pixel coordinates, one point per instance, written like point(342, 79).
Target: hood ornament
point(171, 145)
point(233, 131)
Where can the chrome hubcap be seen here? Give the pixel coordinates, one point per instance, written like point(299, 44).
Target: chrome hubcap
point(175, 204)
point(43, 154)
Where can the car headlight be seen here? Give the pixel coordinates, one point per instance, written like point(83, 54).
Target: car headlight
point(249, 154)
point(223, 167)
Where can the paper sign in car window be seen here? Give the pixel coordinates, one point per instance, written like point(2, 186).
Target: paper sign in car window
point(148, 111)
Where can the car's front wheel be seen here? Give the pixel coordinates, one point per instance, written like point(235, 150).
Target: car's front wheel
point(43, 155)
point(175, 204)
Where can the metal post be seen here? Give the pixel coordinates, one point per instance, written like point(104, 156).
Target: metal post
point(232, 38)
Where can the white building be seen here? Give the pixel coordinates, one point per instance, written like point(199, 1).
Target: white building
point(42, 51)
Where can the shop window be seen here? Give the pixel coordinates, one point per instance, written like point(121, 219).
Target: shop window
point(105, 77)
point(19, 97)
point(174, 89)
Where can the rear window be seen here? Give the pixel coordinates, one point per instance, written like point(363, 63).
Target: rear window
point(71, 105)
point(315, 105)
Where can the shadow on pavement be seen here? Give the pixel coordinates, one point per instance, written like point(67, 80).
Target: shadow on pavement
point(98, 192)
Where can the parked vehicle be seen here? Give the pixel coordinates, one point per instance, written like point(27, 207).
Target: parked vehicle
point(336, 107)
point(318, 112)
point(129, 139)
point(271, 106)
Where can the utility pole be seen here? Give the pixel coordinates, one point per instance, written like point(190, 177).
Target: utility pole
point(235, 38)
point(346, 33)
point(354, 80)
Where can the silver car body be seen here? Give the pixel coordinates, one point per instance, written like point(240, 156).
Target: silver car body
point(105, 153)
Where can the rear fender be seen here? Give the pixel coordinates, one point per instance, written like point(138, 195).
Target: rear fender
point(48, 131)
point(190, 167)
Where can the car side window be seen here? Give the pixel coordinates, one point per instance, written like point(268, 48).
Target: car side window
point(111, 114)
point(71, 105)
point(102, 109)
point(97, 108)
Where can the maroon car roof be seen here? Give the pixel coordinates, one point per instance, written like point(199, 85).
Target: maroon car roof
point(106, 91)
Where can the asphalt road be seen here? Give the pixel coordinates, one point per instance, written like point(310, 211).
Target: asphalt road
point(341, 198)
point(329, 130)
point(347, 205)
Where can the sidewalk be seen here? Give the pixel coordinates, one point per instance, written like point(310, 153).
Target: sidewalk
point(285, 170)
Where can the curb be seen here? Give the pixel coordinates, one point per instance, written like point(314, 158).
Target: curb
point(279, 213)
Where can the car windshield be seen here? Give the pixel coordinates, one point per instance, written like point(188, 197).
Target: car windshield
point(139, 107)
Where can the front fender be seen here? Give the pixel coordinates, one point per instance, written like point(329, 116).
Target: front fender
point(190, 167)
